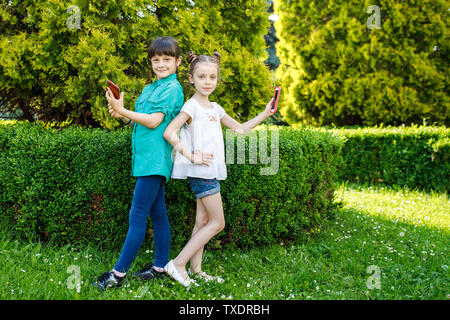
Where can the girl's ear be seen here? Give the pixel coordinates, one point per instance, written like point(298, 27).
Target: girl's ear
point(178, 61)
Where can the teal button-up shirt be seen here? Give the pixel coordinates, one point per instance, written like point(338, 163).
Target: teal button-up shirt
point(152, 154)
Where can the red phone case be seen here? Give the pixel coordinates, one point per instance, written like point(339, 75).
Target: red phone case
point(114, 88)
point(276, 97)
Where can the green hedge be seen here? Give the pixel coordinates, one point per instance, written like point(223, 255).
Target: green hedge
point(74, 186)
point(416, 157)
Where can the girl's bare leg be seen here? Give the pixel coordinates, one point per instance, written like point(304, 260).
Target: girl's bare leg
point(201, 219)
point(216, 223)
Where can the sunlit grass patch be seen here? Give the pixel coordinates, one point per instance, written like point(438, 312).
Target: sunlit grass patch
point(415, 207)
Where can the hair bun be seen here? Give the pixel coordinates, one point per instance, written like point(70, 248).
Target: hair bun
point(217, 55)
point(191, 56)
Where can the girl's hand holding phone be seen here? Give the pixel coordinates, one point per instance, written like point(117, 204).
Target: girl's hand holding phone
point(114, 113)
point(115, 104)
point(267, 110)
point(272, 106)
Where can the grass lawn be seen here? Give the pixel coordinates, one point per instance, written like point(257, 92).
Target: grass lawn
point(382, 244)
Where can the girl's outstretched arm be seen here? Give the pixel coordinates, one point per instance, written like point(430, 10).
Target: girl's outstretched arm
point(170, 134)
point(149, 120)
point(246, 127)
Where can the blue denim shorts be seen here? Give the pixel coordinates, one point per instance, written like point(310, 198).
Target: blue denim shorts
point(204, 187)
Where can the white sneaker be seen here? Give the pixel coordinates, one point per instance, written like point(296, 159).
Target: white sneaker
point(173, 272)
point(203, 275)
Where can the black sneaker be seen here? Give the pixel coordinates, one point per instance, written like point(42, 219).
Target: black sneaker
point(148, 273)
point(108, 280)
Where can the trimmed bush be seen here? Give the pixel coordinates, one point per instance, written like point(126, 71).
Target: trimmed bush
point(416, 157)
point(74, 186)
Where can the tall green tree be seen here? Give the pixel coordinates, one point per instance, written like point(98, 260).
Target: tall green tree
point(271, 38)
point(364, 62)
point(55, 56)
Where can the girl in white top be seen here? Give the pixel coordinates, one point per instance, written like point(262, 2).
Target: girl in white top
point(203, 133)
point(200, 158)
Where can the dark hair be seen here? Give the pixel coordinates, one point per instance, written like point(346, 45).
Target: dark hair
point(164, 46)
point(193, 59)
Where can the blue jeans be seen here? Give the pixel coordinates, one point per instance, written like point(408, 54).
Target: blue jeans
point(148, 199)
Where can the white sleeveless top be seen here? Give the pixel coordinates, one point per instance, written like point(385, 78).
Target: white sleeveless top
point(203, 134)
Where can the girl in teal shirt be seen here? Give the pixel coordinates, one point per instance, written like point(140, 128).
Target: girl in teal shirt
point(152, 162)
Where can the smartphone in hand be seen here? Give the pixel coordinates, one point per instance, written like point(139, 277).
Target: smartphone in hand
point(114, 88)
point(276, 97)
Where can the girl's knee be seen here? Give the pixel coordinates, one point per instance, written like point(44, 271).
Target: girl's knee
point(222, 225)
point(160, 219)
point(218, 226)
point(159, 215)
point(137, 217)
point(202, 221)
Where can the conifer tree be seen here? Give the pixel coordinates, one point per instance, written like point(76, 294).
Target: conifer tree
point(271, 39)
point(364, 62)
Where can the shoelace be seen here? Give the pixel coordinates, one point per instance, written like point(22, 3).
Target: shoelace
point(147, 267)
point(104, 276)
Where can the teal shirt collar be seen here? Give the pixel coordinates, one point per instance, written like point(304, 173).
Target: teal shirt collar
point(173, 76)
